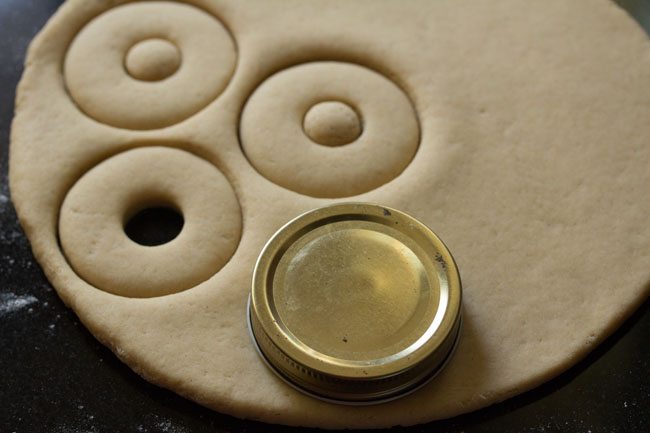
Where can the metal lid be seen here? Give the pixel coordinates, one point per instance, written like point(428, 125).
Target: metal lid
point(355, 303)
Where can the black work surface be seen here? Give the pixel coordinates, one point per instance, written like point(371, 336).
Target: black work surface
point(55, 377)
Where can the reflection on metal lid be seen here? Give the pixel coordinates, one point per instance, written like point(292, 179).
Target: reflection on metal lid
point(355, 303)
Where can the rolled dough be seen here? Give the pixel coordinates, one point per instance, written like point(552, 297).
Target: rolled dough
point(530, 120)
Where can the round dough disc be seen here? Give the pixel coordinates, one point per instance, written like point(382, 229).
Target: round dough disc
point(531, 163)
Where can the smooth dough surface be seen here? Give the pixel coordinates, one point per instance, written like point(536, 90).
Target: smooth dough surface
point(123, 86)
point(332, 123)
point(152, 59)
point(95, 210)
point(531, 162)
point(279, 134)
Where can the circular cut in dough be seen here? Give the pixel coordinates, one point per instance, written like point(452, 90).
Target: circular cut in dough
point(532, 165)
point(147, 65)
point(295, 123)
point(95, 211)
point(332, 123)
point(152, 59)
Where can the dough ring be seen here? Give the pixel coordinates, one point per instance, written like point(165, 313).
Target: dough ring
point(93, 215)
point(313, 127)
point(149, 65)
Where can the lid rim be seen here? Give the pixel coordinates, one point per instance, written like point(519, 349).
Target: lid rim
point(359, 398)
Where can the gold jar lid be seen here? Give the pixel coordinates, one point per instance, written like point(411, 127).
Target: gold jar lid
point(355, 303)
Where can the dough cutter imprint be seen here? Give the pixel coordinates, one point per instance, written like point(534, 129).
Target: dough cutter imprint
point(97, 207)
point(311, 128)
point(149, 63)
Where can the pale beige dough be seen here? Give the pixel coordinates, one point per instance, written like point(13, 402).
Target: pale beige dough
point(153, 59)
point(332, 123)
point(280, 135)
point(95, 210)
point(531, 163)
point(121, 86)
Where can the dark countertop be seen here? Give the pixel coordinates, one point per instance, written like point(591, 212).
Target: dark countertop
point(55, 377)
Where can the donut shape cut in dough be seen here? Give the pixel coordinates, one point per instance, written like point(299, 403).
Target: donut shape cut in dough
point(97, 207)
point(118, 75)
point(279, 116)
point(532, 166)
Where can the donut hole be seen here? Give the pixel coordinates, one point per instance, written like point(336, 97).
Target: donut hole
point(154, 225)
point(117, 238)
point(152, 59)
point(332, 123)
